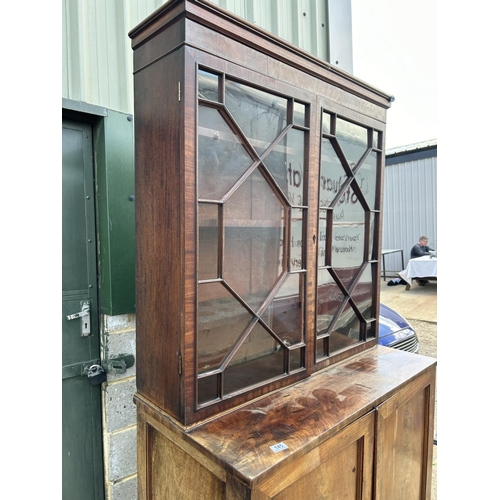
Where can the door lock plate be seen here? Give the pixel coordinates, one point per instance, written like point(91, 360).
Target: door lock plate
point(84, 316)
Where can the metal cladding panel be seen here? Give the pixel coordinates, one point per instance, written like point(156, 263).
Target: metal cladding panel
point(96, 53)
point(410, 206)
point(97, 59)
point(116, 213)
point(304, 23)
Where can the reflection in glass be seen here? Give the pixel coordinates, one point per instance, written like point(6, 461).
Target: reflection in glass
point(296, 250)
point(221, 321)
point(254, 230)
point(299, 114)
point(208, 237)
point(285, 313)
point(353, 140)
point(366, 177)
point(333, 176)
point(347, 250)
point(330, 299)
point(371, 331)
point(348, 208)
point(207, 389)
point(348, 237)
point(363, 293)
point(208, 86)
point(322, 238)
point(321, 351)
point(326, 123)
point(261, 115)
point(376, 143)
point(286, 164)
point(257, 360)
point(297, 359)
point(371, 247)
point(222, 159)
point(346, 330)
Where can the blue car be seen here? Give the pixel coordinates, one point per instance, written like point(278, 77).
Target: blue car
point(395, 331)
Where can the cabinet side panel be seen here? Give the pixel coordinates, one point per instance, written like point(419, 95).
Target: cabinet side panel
point(177, 475)
point(159, 229)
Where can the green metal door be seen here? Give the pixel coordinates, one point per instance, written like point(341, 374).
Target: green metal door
point(82, 459)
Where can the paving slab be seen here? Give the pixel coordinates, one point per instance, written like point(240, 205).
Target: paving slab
point(418, 303)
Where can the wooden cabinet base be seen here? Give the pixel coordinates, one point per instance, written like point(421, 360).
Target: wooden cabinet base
point(362, 429)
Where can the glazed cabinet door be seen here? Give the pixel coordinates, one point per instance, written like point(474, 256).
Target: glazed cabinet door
point(252, 172)
point(350, 175)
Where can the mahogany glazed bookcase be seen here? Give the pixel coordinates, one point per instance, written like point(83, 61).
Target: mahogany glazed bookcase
point(259, 173)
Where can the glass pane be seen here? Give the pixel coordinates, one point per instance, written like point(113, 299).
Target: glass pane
point(376, 143)
point(371, 331)
point(353, 140)
point(326, 123)
point(208, 234)
point(221, 321)
point(322, 228)
point(348, 207)
point(346, 331)
point(296, 240)
point(261, 116)
point(330, 298)
point(363, 293)
point(371, 248)
point(285, 313)
point(299, 114)
point(208, 86)
point(347, 250)
point(366, 177)
point(207, 389)
point(222, 159)
point(297, 357)
point(286, 163)
point(333, 175)
point(257, 360)
point(254, 233)
point(348, 241)
point(320, 349)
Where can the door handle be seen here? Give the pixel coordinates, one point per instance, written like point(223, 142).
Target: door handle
point(84, 314)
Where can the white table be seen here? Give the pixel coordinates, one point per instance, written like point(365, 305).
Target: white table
point(421, 267)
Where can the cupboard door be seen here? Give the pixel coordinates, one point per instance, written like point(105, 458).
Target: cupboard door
point(341, 467)
point(405, 430)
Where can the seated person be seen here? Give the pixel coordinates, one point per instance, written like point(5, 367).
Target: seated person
point(419, 250)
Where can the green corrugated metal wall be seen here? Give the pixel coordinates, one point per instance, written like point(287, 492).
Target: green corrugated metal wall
point(97, 54)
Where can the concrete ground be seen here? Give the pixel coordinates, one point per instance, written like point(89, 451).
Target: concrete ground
point(418, 303)
point(419, 306)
